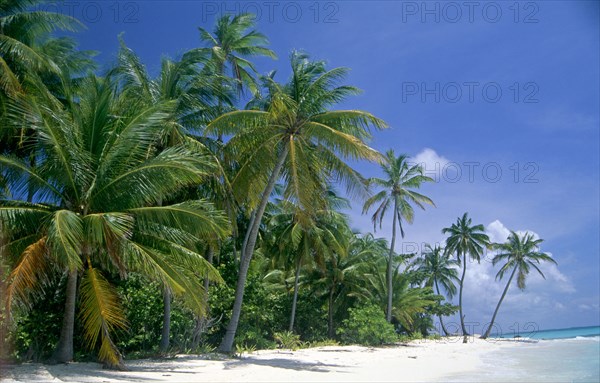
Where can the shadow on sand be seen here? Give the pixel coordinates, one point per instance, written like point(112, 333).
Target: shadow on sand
point(285, 364)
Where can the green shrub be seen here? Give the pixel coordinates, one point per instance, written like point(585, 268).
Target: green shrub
point(322, 343)
point(288, 339)
point(410, 336)
point(367, 326)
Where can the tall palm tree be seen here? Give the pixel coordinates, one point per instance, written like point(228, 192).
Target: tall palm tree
point(520, 254)
point(173, 84)
point(97, 187)
point(438, 268)
point(465, 240)
point(230, 44)
point(400, 179)
point(296, 138)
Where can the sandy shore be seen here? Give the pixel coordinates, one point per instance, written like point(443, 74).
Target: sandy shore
point(431, 360)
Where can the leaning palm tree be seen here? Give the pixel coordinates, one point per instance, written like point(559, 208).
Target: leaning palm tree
point(98, 183)
point(438, 268)
point(297, 138)
point(465, 240)
point(397, 195)
point(520, 254)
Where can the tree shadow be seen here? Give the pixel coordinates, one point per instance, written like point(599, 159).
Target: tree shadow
point(296, 365)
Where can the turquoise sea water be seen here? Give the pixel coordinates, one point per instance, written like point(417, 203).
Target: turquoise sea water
point(562, 355)
point(563, 333)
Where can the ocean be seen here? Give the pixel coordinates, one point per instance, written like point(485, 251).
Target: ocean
point(562, 355)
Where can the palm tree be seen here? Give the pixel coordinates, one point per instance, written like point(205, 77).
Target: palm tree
point(520, 254)
point(401, 179)
point(407, 301)
point(438, 269)
point(298, 139)
point(20, 29)
point(465, 240)
point(232, 42)
point(179, 82)
point(303, 237)
point(229, 47)
point(98, 186)
point(340, 277)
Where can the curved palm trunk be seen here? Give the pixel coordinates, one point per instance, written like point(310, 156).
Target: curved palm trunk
point(460, 305)
point(330, 331)
point(166, 327)
point(489, 329)
point(437, 288)
point(247, 251)
point(295, 300)
point(64, 349)
point(390, 290)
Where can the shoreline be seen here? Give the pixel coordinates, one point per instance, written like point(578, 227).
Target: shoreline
point(420, 360)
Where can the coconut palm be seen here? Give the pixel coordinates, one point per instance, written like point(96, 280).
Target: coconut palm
point(438, 268)
point(20, 29)
point(296, 138)
point(401, 178)
point(230, 44)
point(521, 253)
point(304, 238)
point(465, 240)
point(407, 302)
point(98, 182)
point(340, 277)
point(182, 83)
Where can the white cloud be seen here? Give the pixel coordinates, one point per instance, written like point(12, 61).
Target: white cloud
point(432, 163)
point(497, 232)
point(557, 280)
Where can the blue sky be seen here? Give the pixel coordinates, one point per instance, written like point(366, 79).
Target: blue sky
point(500, 100)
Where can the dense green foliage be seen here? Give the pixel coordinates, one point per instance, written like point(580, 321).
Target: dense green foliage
point(367, 325)
point(143, 215)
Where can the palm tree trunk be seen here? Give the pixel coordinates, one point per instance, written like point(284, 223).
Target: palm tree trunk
point(390, 290)
point(64, 349)
point(200, 322)
point(330, 331)
point(4, 312)
point(166, 327)
point(489, 329)
point(437, 288)
point(295, 299)
point(209, 257)
point(247, 251)
point(460, 293)
point(30, 187)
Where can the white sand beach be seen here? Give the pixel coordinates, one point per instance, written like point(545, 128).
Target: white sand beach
point(431, 360)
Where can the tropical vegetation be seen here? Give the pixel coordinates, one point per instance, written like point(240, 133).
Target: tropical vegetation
point(203, 207)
